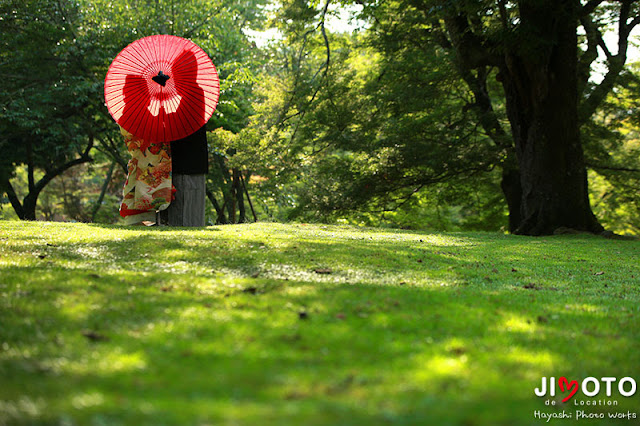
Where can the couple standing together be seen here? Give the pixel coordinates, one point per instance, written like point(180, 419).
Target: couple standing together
point(166, 181)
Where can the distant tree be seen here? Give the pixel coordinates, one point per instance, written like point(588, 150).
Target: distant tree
point(46, 116)
point(363, 124)
point(533, 49)
point(53, 61)
point(612, 152)
point(458, 88)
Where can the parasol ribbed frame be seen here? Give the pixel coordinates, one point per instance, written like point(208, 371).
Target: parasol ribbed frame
point(153, 112)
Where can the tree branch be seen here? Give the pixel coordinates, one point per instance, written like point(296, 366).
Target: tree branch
point(195, 28)
point(50, 174)
point(591, 54)
point(324, 67)
point(615, 64)
point(30, 165)
point(13, 199)
point(612, 168)
point(483, 108)
point(504, 18)
point(470, 48)
point(109, 147)
point(590, 7)
point(604, 47)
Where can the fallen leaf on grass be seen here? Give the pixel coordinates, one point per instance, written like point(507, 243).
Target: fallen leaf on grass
point(599, 335)
point(296, 395)
point(599, 273)
point(458, 351)
point(534, 286)
point(291, 337)
point(95, 336)
point(341, 386)
point(323, 271)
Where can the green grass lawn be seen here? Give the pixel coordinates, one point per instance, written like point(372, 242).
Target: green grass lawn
point(271, 324)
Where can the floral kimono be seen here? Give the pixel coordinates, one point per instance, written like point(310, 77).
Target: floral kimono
point(148, 187)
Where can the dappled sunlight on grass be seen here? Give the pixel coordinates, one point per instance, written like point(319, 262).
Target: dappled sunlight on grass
point(118, 361)
point(515, 323)
point(530, 363)
point(440, 366)
point(303, 324)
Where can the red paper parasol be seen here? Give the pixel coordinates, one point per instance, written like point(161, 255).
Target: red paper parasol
point(161, 88)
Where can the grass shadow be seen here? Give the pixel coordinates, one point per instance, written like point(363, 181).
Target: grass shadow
point(283, 325)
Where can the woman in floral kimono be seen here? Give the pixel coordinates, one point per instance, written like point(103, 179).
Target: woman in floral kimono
point(148, 188)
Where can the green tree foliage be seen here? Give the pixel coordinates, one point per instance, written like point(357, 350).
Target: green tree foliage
point(417, 120)
point(217, 27)
point(47, 116)
point(451, 91)
point(360, 125)
point(53, 61)
point(544, 77)
point(612, 146)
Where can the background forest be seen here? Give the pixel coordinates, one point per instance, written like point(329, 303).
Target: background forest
point(384, 113)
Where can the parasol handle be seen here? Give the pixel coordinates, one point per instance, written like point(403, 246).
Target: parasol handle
point(161, 78)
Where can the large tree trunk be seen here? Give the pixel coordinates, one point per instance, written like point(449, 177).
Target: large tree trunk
point(542, 103)
point(29, 205)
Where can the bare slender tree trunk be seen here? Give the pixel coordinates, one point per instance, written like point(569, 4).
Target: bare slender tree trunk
point(239, 196)
point(103, 191)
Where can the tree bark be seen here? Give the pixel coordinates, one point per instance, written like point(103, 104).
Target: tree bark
point(238, 194)
point(13, 199)
point(246, 192)
point(226, 185)
point(542, 104)
point(27, 209)
point(221, 219)
point(512, 191)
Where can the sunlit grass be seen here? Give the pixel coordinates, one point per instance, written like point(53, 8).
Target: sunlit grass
point(305, 324)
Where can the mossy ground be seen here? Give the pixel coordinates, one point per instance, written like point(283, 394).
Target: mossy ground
point(307, 324)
